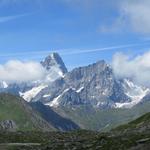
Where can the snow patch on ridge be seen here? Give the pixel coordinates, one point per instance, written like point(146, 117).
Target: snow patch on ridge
point(54, 73)
point(5, 85)
point(29, 95)
point(80, 89)
point(135, 92)
point(55, 101)
point(47, 95)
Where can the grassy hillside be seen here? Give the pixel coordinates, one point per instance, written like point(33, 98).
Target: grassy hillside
point(102, 120)
point(57, 121)
point(132, 136)
point(141, 124)
point(15, 109)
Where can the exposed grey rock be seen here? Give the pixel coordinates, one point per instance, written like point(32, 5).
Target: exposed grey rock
point(94, 84)
point(70, 98)
point(8, 125)
point(98, 83)
point(54, 60)
point(146, 98)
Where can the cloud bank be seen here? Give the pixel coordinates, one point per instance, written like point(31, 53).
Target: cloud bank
point(17, 71)
point(133, 15)
point(137, 13)
point(137, 68)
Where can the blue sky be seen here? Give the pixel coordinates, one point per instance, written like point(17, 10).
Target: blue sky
point(81, 31)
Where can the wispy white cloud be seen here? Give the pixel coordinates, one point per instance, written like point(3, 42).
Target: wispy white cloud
point(15, 2)
point(84, 4)
point(69, 51)
point(82, 51)
point(132, 16)
point(137, 12)
point(117, 26)
point(9, 18)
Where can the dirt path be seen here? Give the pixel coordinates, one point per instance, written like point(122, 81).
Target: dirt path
point(20, 144)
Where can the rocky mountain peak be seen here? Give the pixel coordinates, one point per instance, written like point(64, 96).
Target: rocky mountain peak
point(101, 65)
point(54, 60)
point(94, 84)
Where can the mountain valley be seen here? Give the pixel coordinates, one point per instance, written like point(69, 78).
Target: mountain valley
point(89, 97)
point(87, 108)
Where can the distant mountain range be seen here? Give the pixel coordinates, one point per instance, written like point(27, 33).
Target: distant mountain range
point(93, 85)
point(84, 90)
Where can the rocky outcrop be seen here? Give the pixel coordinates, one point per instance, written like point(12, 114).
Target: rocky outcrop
point(8, 125)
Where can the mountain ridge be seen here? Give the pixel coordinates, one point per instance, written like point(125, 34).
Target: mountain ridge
point(16, 114)
point(94, 85)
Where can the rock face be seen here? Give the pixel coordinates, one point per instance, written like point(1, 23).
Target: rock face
point(91, 85)
point(54, 60)
point(8, 125)
point(146, 98)
point(96, 83)
point(69, 97)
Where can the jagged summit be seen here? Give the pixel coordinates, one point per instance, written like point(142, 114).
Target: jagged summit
point(54, 60)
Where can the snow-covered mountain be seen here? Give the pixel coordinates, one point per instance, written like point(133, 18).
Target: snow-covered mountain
point(135, 92)
point(55, 69)
point(54, 61)
point(94, 85)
